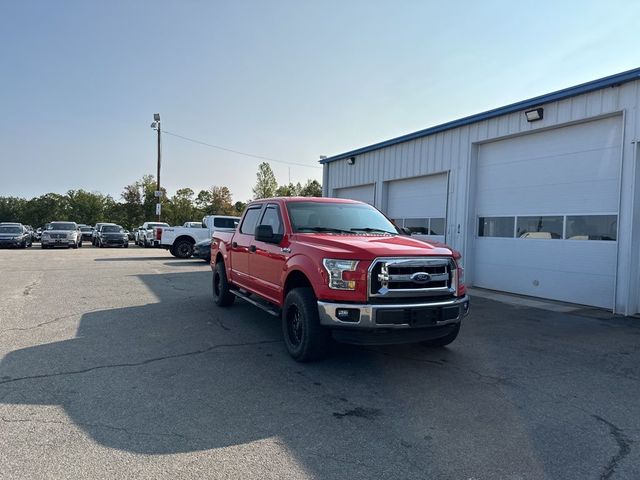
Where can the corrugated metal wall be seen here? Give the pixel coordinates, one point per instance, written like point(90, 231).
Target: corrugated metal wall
point(454, 151)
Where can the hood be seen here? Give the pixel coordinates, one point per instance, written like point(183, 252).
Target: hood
point(368, 247)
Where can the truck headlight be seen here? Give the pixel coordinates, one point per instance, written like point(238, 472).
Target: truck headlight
point(335, 269)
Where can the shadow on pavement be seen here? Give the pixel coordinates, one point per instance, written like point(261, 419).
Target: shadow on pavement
point(181, 375)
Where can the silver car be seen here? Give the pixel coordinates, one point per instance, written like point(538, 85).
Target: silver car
point(61, 234)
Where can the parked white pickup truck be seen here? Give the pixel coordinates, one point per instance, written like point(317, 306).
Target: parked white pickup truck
point(180, 240)
point(147, 234)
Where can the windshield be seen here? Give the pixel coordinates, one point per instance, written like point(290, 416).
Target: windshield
point(152, 225)
point(111, 229)
point(62, 226)
point(10, 230)
point(307, 217)
point(86, 229)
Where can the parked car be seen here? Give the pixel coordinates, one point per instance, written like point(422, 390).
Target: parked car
point(14, 235)
point(61, 234)
point(112, 236)
point(337, 268)
point(147, 234)
point(180, 241)
point(96, 229)
point(86, 231)
point(202, 250)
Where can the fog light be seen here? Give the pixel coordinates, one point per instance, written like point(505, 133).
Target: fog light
point(348, 315)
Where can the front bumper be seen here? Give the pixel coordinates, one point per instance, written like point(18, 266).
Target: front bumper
point(10, 243)
point(57, 241)
point(393, 316)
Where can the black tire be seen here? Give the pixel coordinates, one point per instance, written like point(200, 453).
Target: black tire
point(306, 340)
point(221, 292)
point(23, 245)
point(74, 246)
point(126, 245)
point(442, 341)
point(183, 248)
point(173, 252)
point(80, 244)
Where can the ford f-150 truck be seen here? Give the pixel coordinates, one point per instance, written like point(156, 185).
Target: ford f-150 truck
point(338, 268)
point(181, 240)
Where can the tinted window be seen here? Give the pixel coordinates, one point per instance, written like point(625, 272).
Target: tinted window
point(111, 228)
point(272, 217)
point(496, 227)
point(152, 225)
point(225, 223)
point(250, 220)
point(592, 227)
point(540, 227)
point(417, 225)
point(10, 229)
point(437, 226)
point(62, 226)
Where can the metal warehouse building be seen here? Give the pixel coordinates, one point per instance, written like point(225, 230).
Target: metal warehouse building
point(541, 196)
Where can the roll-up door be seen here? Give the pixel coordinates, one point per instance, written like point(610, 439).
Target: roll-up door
point(547, 212)
point(419, 204)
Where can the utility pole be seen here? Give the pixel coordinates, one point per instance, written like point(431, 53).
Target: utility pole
point(158, 194)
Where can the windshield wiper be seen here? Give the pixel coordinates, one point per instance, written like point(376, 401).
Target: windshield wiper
point(324, 229)
point(370, 230)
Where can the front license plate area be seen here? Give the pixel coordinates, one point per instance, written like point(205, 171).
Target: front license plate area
point(424, 317)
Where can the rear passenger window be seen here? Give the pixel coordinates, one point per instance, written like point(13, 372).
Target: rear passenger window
point(250, 220)
point(225, 223)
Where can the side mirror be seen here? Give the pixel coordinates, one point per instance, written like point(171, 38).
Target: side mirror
point(264, 233)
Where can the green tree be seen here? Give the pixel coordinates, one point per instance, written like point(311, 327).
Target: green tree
point(85, 207)
point(182, 209)
point(266, 183)
point(290, 190)
point(311, 189)
point(221, 201)
point(12, 209)
point(238, 208)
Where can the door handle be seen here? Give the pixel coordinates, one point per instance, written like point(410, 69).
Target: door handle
point(234, 244)
point(252, 249)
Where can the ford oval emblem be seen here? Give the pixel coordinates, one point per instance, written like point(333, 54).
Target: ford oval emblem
point(421, 277)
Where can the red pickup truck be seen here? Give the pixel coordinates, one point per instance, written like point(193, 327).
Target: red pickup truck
point(339, 268)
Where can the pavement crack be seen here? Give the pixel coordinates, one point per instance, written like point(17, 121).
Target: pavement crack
point(136, 364)
point(27, 290)
point(42, 324)
point(624, 448)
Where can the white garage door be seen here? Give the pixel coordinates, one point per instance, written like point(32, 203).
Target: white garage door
point(546, 213)
point(363, 193)
point(419, 204)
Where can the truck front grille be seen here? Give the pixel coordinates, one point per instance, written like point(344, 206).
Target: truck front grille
point(412, 277)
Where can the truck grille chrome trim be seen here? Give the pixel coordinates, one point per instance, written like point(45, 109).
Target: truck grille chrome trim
point(411, 277)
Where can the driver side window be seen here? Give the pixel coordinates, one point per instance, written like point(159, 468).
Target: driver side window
point(271, 217)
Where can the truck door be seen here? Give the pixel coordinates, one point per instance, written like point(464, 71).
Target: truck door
point(242, 240)
point(267, 262)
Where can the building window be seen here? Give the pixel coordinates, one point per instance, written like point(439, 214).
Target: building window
point(592, 227)
point(423, 226)
point(540, 227)
point(568, 227)
point(496, 227)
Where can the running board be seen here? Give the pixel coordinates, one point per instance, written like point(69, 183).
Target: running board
point(262, 305)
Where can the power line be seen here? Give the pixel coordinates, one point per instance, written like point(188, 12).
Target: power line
point(237, 151)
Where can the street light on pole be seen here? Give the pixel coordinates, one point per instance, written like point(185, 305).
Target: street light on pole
point(156, 126)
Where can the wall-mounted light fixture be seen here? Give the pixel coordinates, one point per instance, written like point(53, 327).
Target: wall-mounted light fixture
point(534, 115)
point(351, 160)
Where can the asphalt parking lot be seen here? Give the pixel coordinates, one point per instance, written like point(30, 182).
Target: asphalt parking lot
point(115, 364)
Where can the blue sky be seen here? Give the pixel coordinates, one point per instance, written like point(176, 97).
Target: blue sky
point(291, 80)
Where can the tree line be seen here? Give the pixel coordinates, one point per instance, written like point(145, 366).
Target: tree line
point(137, 203)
